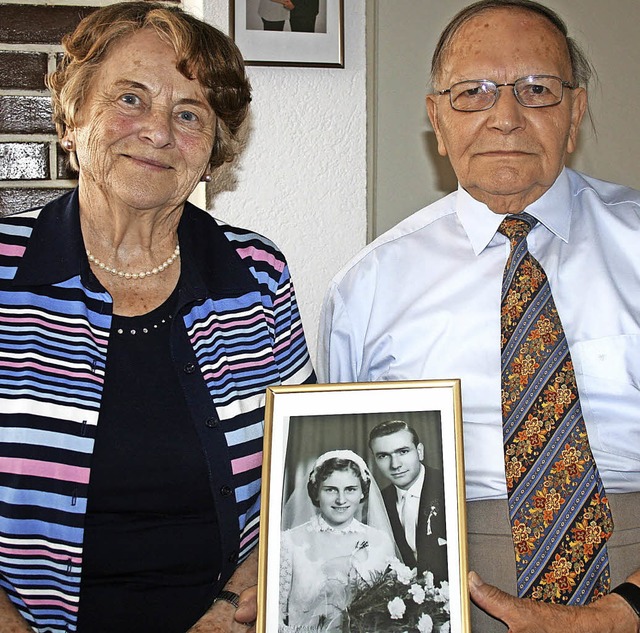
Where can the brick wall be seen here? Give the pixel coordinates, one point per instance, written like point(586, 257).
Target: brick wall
point(33, 168)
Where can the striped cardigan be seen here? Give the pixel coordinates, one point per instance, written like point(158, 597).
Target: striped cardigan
point(237, 331)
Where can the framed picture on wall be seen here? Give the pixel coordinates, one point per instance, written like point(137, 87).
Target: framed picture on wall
point(363, 524)
point(289, 32)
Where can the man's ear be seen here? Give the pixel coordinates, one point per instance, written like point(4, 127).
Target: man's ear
point(432, 111)
point(420, 448)
point(579, 105)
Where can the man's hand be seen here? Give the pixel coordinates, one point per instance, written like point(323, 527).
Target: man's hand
point(10, 619)
point(610, 614)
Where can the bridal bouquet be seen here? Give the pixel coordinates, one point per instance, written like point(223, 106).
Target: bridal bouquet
point(397, 601)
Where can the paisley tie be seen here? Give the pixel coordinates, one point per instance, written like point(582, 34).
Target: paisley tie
point(560, 517)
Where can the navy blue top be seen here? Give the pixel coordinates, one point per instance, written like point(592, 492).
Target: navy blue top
point(152, 548)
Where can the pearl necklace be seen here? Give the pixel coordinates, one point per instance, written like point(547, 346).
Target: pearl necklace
point(124, 275)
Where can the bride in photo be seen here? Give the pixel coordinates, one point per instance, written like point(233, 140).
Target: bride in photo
point(328, 552)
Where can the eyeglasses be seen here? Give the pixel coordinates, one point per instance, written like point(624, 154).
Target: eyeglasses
point(533, 91)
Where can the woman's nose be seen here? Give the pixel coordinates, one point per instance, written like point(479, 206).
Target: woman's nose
point(158, 127)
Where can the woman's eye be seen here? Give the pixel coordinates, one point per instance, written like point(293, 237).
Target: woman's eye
point(130, 99)
point(188, 117)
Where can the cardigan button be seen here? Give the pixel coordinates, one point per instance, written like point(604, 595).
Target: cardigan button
point(225, 491)
point(212, 423)
point(189, 368)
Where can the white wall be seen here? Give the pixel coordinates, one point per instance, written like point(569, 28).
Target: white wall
point(302, 179)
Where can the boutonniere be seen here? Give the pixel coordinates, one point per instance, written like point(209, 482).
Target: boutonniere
point(433, 512)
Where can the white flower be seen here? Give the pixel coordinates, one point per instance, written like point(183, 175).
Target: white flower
point(442, 594)
point(428, 580)
point(445, 627)
point(425, 623)
point(417, 593)
point(403, 573)
point(396, 608)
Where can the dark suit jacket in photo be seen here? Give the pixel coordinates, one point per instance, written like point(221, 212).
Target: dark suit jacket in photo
point(431, 555)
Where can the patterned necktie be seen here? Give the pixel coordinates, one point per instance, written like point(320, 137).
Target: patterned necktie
point(560, 517)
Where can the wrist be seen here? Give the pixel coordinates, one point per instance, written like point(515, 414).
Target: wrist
point(228, 596)
point(630, 593)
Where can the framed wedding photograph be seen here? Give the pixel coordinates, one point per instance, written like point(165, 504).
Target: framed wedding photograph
point(363, 523)
point(289, 32)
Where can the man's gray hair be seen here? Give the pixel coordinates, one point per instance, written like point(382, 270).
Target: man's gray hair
point(581, 67)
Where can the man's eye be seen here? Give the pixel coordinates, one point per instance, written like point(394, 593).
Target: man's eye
point(536, 89)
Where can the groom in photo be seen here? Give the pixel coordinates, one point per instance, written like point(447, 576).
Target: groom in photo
point(414, 499)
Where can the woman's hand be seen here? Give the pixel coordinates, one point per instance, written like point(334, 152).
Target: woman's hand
point(222, 616)
point(610, 614)
point(247, 611)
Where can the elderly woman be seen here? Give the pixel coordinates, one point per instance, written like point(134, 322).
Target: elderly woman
point(137, 336)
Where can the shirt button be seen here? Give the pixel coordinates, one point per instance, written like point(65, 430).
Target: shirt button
point(233, 557)
point(212, 423)
point(225, 491)
point(189, 368)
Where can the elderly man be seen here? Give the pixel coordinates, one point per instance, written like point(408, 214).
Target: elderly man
point(523, 283)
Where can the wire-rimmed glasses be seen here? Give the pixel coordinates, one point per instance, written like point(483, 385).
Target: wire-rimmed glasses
point(532, 91)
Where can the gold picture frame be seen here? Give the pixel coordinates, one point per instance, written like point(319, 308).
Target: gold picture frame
point(322, 573)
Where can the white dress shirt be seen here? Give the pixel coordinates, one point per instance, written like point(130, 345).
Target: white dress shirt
point(423, 302)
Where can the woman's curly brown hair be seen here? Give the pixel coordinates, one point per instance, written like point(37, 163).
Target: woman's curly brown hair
point(204, 53)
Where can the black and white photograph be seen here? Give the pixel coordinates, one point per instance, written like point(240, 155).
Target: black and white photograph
point(289, 32)
point(296, 16)
point(368, 507)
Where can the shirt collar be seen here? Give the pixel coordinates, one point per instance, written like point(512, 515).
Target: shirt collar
point(318, 524)
point(415, 489)
point(552, 209)
point(210, 263)
point(55, 251)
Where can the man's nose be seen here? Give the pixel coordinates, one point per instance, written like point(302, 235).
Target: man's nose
point(395, 461)
point(507, 114)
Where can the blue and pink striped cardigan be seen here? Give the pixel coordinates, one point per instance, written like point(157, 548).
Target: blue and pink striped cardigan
point(239, 332)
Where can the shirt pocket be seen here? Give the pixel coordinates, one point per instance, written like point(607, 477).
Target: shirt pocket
point(608, 375)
